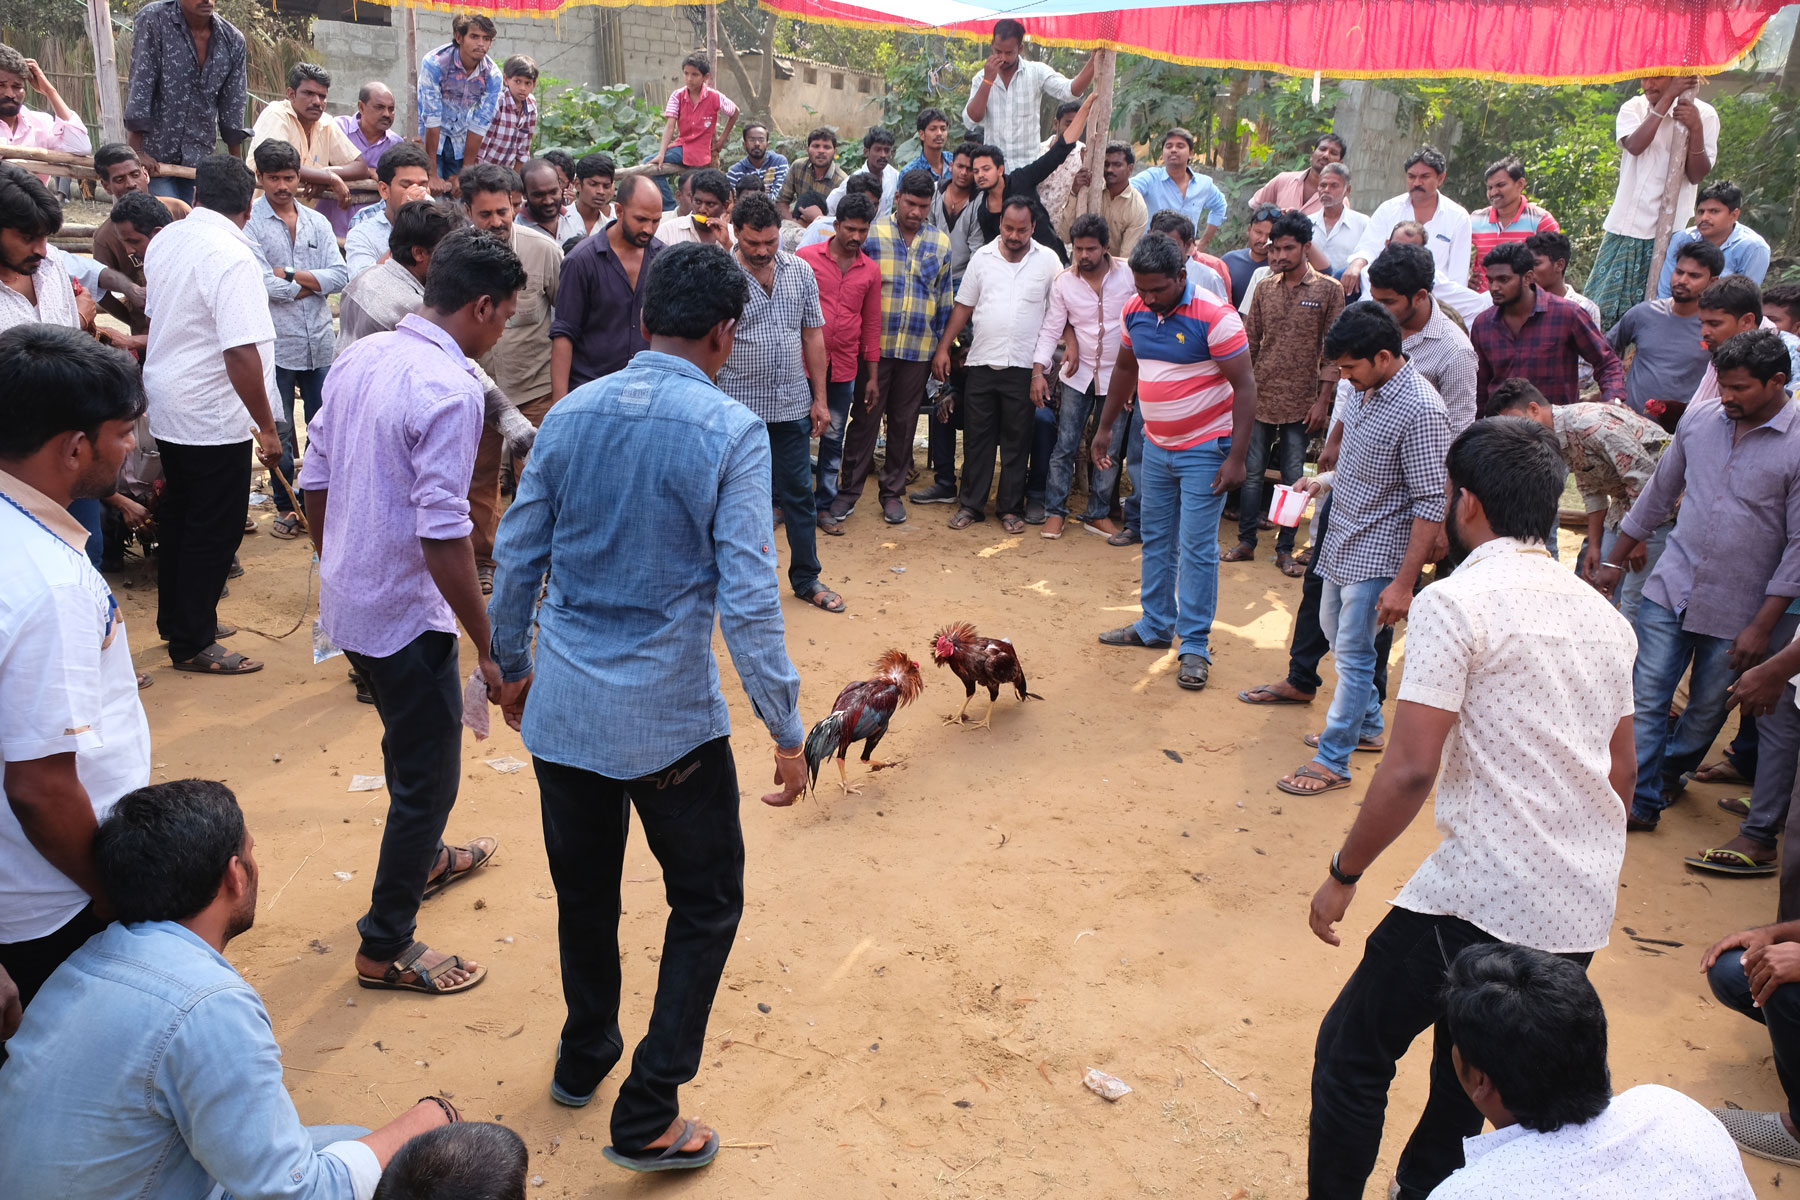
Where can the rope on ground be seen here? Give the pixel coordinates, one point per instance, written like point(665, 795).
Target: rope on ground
point(312, 569)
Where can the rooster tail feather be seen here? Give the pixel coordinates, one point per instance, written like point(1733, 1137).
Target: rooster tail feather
point(822, 743)
point(1019, 682)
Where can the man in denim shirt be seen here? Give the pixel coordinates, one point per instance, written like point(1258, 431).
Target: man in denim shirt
point(629, 711)
point(150, 1069)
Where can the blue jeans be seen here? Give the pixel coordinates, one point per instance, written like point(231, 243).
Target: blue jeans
point(1180, 589)
point(1780, 1012)
point(1347, 615)
point(942, 442)
point(450, 163)
point(179, 189)
point(791, 468)
point(1071, 426)
point(1037, 460)
point(1630, 592)
point(311, 386)
point(1129, 433)
point(839, 395)
point(1664, 651)
point(90, 513)
point(1288, 442)
point(673, 155)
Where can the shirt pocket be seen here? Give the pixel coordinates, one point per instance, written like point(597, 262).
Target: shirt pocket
point(530, 311)
point(1761, 486)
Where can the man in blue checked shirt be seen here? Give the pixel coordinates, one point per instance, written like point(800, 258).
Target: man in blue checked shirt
point(629, 710)
point(1172, 185)
point(459, 93)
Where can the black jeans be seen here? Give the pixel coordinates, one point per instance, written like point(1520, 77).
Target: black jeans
point(200, 522)
point(690, 815)
point(30, 963)
point(942, 441)
point(997, 411)
point(1781, 1013)
point(418, 695)
point(1393, 996)
point(1310, 647)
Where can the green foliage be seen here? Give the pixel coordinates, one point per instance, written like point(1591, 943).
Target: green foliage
point(612, 119)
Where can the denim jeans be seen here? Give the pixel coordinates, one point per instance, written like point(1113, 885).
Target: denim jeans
point(1080, 411)
point(178, 189)
point(791, 460)
point(1665, 651)
point(1288, 444)
point(839, 395)
point(1128, 431)
point(1773, 786)
point(1780, 1013)
point(1630, 591)
point(1043, 445)
point(1180, 588)
point(311, 386)
point(450, 164)
point(92, 515)
point(1393, 996)
point(418, 696)
point(689, 811)
point(941, 439)
point(1347, 615)
point(1309, 644)
point(672, 156)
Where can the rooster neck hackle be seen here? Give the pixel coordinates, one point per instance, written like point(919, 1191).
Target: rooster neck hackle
point(898, 668)
point(949, 639)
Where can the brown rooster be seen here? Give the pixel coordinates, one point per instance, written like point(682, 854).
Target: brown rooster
point(976, 660)
point(861, 714)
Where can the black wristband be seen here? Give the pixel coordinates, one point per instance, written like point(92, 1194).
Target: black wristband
point(449, 1108)
point(1338, 874)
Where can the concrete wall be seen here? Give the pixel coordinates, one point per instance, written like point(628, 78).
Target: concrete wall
point(850, 101)
point(1380, 143)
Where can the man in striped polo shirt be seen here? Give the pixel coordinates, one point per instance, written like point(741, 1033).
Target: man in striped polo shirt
point(1509, 216)
point(1184, 351)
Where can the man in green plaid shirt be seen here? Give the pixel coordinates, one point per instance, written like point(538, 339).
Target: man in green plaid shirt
point(916, 298)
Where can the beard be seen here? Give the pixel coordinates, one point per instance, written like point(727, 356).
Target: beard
point(242, 917)
point(1459, 549)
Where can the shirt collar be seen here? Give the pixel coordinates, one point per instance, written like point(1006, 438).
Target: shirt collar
point(657, 360)
point(418, 326)
point(1504, 545)
point(1485, 1143)
point(52, 514)
point(217, 220)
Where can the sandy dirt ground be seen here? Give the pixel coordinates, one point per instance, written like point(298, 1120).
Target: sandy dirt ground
point(1107, 878)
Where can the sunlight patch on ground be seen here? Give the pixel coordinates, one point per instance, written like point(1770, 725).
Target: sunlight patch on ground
point(1162, 666)
point(1041, 587)
point(1266, 631)
point(1011, 543)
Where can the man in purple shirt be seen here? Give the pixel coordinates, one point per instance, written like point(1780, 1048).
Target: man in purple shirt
point(397, 436)
point(1732, 565)
point(370, 130)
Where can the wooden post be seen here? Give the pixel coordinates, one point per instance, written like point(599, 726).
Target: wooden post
point(411, 24)
point(1099, 128)
point(1665, 214)
point(712, 36)
point(106, 71)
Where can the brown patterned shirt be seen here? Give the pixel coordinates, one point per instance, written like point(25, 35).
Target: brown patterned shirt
point(1286, 327)
point(1612, 451)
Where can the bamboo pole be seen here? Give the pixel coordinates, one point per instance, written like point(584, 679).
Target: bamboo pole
point(1665, 213)
point(106, 71)
point(81, 166)
point(411, 25)
point(1099, 129)
point(712, 37)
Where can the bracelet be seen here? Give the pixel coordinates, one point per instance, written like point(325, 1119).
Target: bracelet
point(1613, 566)
point(790, 757)
point(1337, 873)
point(450, 1113)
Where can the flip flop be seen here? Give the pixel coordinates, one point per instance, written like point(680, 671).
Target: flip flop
point(424, 978)
point(963, 519)
point(1308, 771)
point(669, 1158)
point(1273, 696)
point(1761, 1134)
point(1012, 524)
point(1717, 772)
point(481, 856)
point(826, 599)
point(1364, 745)
point(831, 528)
point(1737, 806)
point(1730, 862)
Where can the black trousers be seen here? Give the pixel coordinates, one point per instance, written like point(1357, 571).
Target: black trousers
point(1310, 647)
point(32, 962)
point(1393, 996)
point(418, 695)
point(997, 411)
point(200, 522)
point(690, 815)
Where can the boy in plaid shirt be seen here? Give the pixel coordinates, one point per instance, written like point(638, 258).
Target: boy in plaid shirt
point(508, 141)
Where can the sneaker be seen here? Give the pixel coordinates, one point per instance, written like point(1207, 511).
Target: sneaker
point(1125, 537)
point(1034, 512)
point(893, 512)
point(840, 510)
point(486, 576)
point(937, 493)
point(1761, 1134)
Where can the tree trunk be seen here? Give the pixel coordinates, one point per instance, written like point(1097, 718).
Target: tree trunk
point(1231, 147)
point(754, 98)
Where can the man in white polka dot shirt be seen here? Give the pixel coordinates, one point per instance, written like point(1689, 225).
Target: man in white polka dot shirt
point(1517, 703)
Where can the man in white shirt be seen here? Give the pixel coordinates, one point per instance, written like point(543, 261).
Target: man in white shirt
point(709, 221)
point(1339, 227)
point(593, 206)
point(73, 735)
point(1446, 223)
point(1517, 705)
point(1651, 128)
point(1004, 99)
point(209, 371)
point(1528, 1038)
point(1006, 289)
point(878, 153)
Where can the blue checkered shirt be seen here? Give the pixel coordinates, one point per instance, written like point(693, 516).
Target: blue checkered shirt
point(766, 372)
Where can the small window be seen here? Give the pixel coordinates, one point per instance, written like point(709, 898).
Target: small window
point(812, 74)
point(837, 81)
point(865, 85)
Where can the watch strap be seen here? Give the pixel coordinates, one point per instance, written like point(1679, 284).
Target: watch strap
point(1338, 874)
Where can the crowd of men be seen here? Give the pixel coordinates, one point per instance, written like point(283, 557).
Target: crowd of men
point(500, 315)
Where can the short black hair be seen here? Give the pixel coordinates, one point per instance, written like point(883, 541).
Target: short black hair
point(856, 207)
point(1173, 223)
point(224, 184)
point(1758, 351)
point(273, 154)
point(27, 206)
point(299, 73)
point(56, 380)
point(917, 182)
point(111, 154)
point(1515, 467)
point(1404, 268)
point(878, 135)
point(1514, 169)
point(1785, 296)
point(692, 287)
point(1007, 29)
point(480, 177)
point(1264, 212)
point(1734, 294)
point(596, 164)
point(421, 225)
point(1342, 145)
point(1067, 108)
point(984, 150)
point(13, 63)
point(162, 852)
point(1158, 256)
point(751, 181)
point(1725, 192)
point(539, 164)
point(713, 183)
point(406, 154)
point(1093, 225)
point(1513, 395)
point(927, 116)
point(965, 149)
point(1292, 223)
point(748, 126)
point(813, 199)
point(519, 64)
point(699, 62)
point(471, 1160)
point(1431, 156)
point(1184, 135)
point(1553, 244)
point(467, 265)
point(822, 133)
point(1528, 1020)
point(1705, 254)
point(863, 183)
point(754, 210)
point(564, 161)
point(1019, 200)
point(1516, 255)
point(1363, 330)
point(142, 211)
point(463, 22)
point(1124, 148)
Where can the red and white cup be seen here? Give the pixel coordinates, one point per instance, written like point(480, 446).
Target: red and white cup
point(1287, 505)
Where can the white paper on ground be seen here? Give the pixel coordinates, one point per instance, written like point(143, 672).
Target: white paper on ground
point(367, 783)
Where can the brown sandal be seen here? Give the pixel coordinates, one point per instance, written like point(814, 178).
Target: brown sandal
point(481, 852)
point(425, 979)
point(217, 660)
point(1309, 771)
point(963, 519)
point(1242, 552)
point(1364, 745)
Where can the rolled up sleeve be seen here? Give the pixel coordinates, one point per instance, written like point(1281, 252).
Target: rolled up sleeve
point(1657, 500)
point(443, 459)
point(749, 592)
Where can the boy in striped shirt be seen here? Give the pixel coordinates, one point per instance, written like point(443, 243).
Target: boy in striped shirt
point(1184, 351)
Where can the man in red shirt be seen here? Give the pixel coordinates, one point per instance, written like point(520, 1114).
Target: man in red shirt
point(850, 294)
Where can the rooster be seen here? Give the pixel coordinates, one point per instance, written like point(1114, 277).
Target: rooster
point(861, 714)
point(976, 660)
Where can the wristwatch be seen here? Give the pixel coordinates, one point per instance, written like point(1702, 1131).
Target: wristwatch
point(1338, 874)
point(289, 272)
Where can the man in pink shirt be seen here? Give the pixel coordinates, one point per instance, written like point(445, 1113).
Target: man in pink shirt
point(850, 293)
point(691, 135)
point(1300, 189)
point(22, 126)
